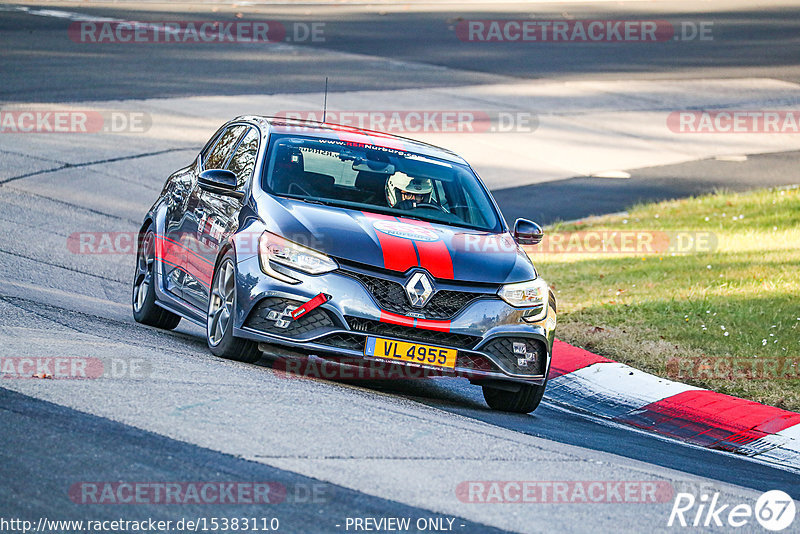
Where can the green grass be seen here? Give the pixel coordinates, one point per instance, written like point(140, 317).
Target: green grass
point(657, 311)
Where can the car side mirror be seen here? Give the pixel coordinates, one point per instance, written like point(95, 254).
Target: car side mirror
point(219, 181)
point(527, 232)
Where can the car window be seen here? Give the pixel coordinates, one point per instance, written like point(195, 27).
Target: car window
point(244, 159)
point(219, 154)
point(378, 179)
point(321, 162)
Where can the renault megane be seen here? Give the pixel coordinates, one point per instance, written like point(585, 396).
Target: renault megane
point(336, 241)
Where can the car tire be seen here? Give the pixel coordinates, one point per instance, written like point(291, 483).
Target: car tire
point(524, 400)
point(219, 321)
point(143, 295)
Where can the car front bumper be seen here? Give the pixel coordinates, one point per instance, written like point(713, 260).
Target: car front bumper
point(487, 332)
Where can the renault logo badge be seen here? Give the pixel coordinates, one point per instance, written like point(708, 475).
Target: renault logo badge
point(419, 289)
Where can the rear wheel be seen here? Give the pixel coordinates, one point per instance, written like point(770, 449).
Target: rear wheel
point(143, 298)
point(524, 399)
point(221, 308)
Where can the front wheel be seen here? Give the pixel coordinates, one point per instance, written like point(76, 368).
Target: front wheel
point(523, 400)
point(221, 308)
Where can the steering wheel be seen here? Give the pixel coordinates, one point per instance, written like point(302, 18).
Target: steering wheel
point(409, 204)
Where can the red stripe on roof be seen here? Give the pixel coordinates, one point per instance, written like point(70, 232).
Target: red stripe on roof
point(387, 141)
point(354, 135)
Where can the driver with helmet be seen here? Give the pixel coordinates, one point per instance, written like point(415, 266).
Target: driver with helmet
point(405, 192)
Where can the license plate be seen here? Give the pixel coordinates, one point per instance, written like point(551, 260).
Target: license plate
point(402, 351)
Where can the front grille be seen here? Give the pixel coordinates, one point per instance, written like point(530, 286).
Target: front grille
point(391, 296)
point(378, 328)
point(283, 325)
point(502, 348)
point(343, 340)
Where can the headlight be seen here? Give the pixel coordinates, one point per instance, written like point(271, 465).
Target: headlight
point(273, 247)
point(531, 294)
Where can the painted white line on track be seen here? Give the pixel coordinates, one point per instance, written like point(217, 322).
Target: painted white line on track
point(612, 174)
point(782, 447)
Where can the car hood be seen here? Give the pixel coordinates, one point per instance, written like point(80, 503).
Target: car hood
point(400, 244)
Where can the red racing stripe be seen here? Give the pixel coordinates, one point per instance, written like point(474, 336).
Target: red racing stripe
point(441, 326)
point(393, 318)
point(178, 267)
point(201, 270)
point(171, 252)
point(433, 255)
point(711, 419)
point(185, 248)
point(168, 251)
point(398, 253)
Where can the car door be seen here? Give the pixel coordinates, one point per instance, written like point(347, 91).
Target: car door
point(221, 212)
point(197, 224)
point(170, 250)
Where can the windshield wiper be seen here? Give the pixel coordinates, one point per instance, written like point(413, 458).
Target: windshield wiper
point(308, 200)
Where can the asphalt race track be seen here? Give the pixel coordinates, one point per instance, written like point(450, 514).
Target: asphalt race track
point(170, 412)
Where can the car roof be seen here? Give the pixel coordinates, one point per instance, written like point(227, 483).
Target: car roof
point(349, 134)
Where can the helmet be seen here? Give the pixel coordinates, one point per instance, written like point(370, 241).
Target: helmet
point(402, 187)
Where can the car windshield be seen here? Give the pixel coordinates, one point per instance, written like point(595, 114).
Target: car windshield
point(378, 179)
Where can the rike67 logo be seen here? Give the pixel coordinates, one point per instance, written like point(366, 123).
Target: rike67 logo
point(774, 510)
